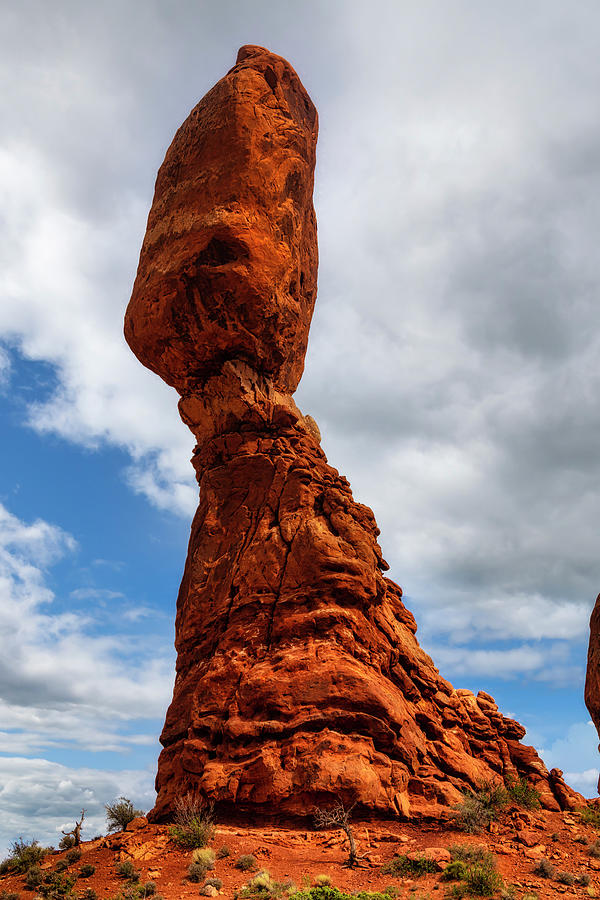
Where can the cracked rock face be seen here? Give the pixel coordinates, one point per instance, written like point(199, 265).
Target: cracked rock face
point(299, 676)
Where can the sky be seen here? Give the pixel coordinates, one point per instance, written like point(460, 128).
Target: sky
point(453, 365)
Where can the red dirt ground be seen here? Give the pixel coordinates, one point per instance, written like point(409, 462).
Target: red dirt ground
point(296, 854)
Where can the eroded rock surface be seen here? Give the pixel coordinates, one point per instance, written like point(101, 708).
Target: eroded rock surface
point(592, 680)
point(299, 676)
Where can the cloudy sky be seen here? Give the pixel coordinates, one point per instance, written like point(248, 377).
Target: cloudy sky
point(453, 368)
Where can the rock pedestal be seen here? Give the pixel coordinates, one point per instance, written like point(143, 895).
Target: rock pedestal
point(299, 676)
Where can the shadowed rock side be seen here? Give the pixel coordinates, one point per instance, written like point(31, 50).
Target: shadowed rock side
point(592, 680)
point(299, 677)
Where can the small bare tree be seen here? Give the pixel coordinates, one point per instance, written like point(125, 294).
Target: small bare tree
point(76, 832)
point(339, 817)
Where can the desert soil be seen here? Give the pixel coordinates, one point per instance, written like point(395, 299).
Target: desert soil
point(519, 840)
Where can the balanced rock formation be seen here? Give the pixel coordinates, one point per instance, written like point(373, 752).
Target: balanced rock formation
point(299, 677)
point(592, 679)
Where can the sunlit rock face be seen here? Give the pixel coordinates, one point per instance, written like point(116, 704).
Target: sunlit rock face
point(299, 677)
point(228, 268)
point(592, 680)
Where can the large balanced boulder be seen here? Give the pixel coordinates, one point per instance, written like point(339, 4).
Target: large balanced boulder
point(299, 676)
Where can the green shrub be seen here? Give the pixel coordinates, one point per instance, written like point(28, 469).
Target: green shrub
point(565, 878)
point(213, 882)
point(89, 894)
point(322, 880)
point(471, 855)
point(376, 895)
point(263, 887)
point(508, 892)
point(544, 869)
point(454, 871)
point(61, 865)
point(34, 878)
point(56, 886)
point(23, 855)
point(9, 895)
point(223, 851)
point(204, 856)
point(73, 856)
point(583, 880)
point(493, 795)
point(403, 865)
point(133, 891)
point(477, 808)
point(194, 824)
point(471, 816)
point(522, 793)
point(325, 892)
point(86, 871)
point(457, 891)
point(136, 891)
point(482, 880)
point(120, 813)
point(203, 859)
point(196, 872)
point(246, 862)
point(590, 815)
point(475, 868)
point(127, 870)
point(594, 849)
point(66, 842)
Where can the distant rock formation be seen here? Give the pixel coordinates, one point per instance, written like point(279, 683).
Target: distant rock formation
point(299, 677)
point(592, 680)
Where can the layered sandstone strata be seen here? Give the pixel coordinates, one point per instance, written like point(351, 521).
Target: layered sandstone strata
point(299, 677)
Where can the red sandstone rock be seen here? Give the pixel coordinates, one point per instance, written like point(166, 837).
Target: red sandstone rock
point(299, 677)
point(592, 680)
point(137, 823)
point(228, 268)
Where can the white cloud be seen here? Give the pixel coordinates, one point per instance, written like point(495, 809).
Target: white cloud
point(40, 798)
point(463, 618)
point(67, 679)
point(5, 368)
point(63, 304)
point(548, 662)
point(95, 594)
point(579, 746)
point(453, 356)
point(68, 682)
point(585, 782)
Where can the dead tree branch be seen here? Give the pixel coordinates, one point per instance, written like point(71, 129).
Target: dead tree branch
point(338, 816)
point(76, 832)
